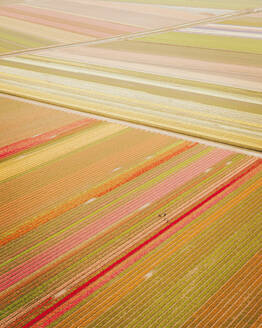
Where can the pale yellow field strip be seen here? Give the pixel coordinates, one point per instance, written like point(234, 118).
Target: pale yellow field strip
point(107, 94)
point(127, 78)
point(69, 94)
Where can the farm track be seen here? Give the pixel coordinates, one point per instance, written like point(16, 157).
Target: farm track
point(137, 34)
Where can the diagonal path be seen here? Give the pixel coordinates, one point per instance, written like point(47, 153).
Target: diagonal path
point(139, 34)
point(210, 143)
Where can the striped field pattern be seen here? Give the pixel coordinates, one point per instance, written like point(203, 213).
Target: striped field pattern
point(33, 24)
point(105, 225)
point(199, 79)
point(108, 217)
point(150, 87)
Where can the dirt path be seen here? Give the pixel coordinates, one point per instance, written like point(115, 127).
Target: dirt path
point(138, 34)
